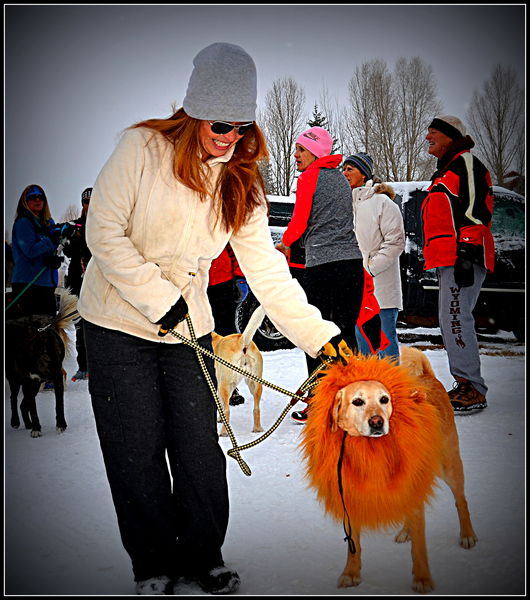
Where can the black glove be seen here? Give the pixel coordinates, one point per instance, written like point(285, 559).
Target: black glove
point(336, 348)
point(466, 256)
point(52, 261)
point(177, 313)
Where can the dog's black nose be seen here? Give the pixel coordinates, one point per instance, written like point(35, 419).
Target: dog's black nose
point(376, 422)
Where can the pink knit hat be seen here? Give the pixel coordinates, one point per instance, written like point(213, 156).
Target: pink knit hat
point(317, 140)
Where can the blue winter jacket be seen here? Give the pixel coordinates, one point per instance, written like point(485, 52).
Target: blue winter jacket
point(31, 243)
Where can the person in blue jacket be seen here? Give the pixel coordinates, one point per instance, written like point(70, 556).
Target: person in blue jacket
point(35, 262)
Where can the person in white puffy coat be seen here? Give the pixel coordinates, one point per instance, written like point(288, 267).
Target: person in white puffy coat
point(380, 232)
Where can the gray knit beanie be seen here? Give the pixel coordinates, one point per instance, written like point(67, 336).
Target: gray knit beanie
point(363, 162)
point(223, 85)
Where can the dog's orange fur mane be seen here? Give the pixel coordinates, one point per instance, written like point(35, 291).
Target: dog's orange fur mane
point(383, 478)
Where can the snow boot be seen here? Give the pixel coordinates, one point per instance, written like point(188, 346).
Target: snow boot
point(219, 580)
point(465, 398)
point(236, 398)
point(300, 416)
point(155, 586)
point(80, 375)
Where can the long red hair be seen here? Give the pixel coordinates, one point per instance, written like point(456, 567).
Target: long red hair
point(384, 478)
point(240, 187)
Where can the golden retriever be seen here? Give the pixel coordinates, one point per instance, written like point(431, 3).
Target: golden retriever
point(393, 428)
point(240, 350)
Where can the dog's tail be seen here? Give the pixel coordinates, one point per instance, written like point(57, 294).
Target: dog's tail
point(415, 361)
point(252, 326)
point(66, 314)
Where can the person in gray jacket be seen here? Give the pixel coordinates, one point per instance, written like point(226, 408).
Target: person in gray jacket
point(322, 219)
point(174, 192)
point(379, 228)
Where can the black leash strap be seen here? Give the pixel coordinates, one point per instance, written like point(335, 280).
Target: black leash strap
point(346, 519)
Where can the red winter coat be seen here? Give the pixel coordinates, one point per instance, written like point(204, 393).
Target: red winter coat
point(225, 267)
point(458, 208)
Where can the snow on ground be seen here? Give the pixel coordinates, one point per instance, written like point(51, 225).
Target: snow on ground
point(61, 535)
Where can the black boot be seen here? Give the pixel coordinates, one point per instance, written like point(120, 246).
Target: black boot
point(236, 398)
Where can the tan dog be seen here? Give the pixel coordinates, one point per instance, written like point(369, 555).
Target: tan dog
point(240, 350)
point(399, 435)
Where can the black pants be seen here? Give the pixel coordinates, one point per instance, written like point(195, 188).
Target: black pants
point(151, 400)
point(222, 301)
point(336, 289)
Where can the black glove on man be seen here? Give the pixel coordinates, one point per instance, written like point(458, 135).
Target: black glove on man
point(177, 313)
point(52, 261)
point(336, 348)
point(466, 256)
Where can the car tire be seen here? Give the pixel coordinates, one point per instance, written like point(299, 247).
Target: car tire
point(267, 337)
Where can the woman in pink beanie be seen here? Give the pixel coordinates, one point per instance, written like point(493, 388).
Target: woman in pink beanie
point(323, 222)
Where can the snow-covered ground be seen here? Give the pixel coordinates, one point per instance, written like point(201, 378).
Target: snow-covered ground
point(61, 535)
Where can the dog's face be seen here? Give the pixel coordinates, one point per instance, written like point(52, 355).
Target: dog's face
point(362, 408)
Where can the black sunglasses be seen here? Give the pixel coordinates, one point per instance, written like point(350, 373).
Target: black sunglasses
point(222, 127)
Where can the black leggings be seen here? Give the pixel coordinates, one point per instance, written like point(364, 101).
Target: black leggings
point(336, 289)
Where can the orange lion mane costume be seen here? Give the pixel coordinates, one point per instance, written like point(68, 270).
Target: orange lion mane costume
point(383, 478)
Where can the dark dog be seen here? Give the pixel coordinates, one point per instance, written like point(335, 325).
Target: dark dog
point(35, 349)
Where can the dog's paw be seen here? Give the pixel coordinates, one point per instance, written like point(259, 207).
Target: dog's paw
point(402, 537)
point(36, 434)
point(257, 429)
point(423, 585)
point(348, 581)
point(468, 541)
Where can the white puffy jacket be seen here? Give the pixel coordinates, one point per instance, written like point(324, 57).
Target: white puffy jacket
point(378, 225)
point(153, 240)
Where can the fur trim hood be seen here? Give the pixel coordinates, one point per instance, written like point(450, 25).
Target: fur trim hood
point(368, 190)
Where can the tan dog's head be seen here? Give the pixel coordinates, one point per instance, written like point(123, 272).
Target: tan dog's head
point(362, 408)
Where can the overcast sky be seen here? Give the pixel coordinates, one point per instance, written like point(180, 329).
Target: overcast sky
point(77, 75)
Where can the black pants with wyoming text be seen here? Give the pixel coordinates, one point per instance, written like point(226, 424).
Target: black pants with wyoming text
point(151, 401)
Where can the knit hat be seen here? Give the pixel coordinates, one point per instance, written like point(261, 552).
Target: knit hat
point(317, 140)
point(86, 195)
point(451, 126)
point(223, 85)
point(363, 162)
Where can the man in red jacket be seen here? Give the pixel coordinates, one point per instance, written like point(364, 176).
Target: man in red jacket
point(458, 243)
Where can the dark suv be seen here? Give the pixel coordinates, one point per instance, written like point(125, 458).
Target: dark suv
point(501, 304)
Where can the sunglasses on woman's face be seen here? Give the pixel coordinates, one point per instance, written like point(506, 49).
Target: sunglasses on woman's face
point(222, 127)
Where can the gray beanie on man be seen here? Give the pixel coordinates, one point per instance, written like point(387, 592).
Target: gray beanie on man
point(223, 85)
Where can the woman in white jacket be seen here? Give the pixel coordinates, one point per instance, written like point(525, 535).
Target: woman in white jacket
point(172, 195)
point(380, 232)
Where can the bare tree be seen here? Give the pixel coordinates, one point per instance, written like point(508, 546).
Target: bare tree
point(72, 212)
point(388, 115)
point(282, 121)
point(416, 94)
point(334, 121)
point(496, 117)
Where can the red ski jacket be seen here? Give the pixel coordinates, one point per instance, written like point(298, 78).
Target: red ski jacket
point(458, 208)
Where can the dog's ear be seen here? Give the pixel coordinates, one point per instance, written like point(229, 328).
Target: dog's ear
point(335, 412)
point(418, 395)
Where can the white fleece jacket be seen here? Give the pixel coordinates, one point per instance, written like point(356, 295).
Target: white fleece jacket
point(378, 225)
point(153, 240)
